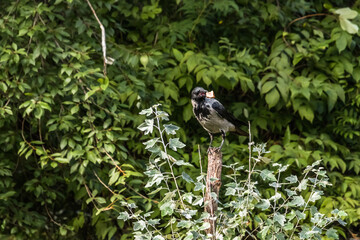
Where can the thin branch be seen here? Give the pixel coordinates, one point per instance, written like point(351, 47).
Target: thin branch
point(128, 186)
point(298, 19)
point(103, 40)
point(51, 218)
point(119, 168)
point(106, 186)
point(91, 196)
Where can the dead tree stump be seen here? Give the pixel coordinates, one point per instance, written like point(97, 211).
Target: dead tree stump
point(213, 172)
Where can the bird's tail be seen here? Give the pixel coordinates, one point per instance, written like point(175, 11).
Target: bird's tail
point(241, 132)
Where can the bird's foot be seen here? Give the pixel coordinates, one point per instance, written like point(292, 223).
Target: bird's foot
point(213, 149)
point(218, 149)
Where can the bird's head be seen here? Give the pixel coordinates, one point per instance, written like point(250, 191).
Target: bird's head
point(198, 93)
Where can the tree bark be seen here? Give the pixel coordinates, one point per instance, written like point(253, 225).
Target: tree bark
point(213, 172)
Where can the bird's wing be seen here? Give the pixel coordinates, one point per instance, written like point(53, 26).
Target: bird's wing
point(220, 109)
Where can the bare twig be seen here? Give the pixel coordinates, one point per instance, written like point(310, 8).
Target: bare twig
point(103, 39)
point(298, 19)
point(128, 186)
point(90, 195)
point(51, 218)
point(201, 170)
point(106, 186)
point(119, 168)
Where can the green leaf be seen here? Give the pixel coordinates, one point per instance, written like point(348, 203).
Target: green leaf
point(187, 112)
point(104, 83)
point(307, 112)
point(269, 85)
point(114, 177)
point(144, 59)
point(107, 123)
point(191, 63)
point(62, 160)
point(63, 143)
point(348, 26)
point(175, 143)
point(74, 109)
point(341, 42)
point(332, 97)
point(272, 98)
point(346, 13)
point(5, 196)
point(178, 55)
point(356, 74)
point(90, 93)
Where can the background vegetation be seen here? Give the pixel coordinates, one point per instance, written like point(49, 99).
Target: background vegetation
point(66, 128)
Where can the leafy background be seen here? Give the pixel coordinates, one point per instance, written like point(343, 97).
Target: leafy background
point(65, 126)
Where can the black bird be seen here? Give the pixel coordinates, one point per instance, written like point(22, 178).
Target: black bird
point(213, 116)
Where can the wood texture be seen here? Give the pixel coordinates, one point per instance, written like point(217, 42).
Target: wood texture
point(213, 172)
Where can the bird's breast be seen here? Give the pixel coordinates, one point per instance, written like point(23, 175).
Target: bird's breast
point(210, 120)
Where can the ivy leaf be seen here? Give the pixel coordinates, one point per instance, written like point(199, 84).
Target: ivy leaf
point(174, 144)
point(267, 175)
point(297, 201)
point(186, 177)
point(150, 143)
point(167, 208)
point(147, 126)
point(123, 216)
point(139, 225)
point(292, 179)
point(332, 233)
point(264, 204)
point(146, 112)
point(280, 219)
point(315, 196)
point(171, 129)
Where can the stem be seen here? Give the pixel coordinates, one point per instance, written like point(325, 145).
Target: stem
point(167, 159)
point(307, 202)
point(248, 183)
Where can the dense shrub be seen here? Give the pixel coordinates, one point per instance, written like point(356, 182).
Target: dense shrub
point(289, 67)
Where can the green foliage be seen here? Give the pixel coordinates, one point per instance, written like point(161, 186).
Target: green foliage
point(70, 148)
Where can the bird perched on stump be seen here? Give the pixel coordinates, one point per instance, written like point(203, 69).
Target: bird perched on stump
point(213, 116)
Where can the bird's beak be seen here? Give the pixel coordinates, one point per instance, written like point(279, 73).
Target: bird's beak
point(210, 94)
